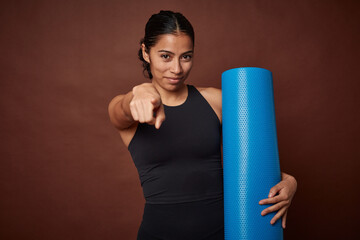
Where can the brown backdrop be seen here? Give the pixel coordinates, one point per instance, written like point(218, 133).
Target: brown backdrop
point(65, 173)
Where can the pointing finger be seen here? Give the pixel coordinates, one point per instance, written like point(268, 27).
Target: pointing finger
point(160, 116)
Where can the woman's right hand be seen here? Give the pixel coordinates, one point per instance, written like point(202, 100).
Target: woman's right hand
point(146, 105)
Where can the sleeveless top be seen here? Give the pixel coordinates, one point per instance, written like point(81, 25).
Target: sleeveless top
point(180, 161)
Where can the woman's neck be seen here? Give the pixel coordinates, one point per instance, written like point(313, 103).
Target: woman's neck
point(172, 98)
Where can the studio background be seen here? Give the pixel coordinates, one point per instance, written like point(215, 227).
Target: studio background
point(65, 173)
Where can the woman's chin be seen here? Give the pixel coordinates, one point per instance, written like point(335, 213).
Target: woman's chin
point(175, 86)
point(171, 85)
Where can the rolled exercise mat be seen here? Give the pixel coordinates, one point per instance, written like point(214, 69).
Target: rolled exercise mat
point(251, 159)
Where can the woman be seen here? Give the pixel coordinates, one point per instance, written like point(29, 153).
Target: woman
point(173, 132)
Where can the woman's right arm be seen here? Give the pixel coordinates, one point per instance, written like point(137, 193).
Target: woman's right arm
point(143, 104)
point(119, 111)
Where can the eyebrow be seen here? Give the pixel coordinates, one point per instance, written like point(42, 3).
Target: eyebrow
point(165, 51)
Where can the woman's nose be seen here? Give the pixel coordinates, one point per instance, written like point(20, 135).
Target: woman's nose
point(176, 67)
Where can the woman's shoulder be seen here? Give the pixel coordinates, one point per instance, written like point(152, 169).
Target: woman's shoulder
point(211, 93)
point(209, 90)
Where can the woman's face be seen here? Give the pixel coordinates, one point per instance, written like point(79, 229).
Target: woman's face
point(171, 60)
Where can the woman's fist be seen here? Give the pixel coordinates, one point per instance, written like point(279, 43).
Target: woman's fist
point(146, 105)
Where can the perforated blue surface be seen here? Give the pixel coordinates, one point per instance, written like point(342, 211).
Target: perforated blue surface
point(251, 159)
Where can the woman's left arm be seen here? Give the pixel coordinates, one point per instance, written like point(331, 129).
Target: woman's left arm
point(286, 190)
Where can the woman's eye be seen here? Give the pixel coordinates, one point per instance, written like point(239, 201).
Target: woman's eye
point(165, 56)
point(187, 57)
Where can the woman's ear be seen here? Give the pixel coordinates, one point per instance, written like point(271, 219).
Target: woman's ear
point(145, 53)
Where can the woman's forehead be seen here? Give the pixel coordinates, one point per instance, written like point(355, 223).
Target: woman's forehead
point(174, 42)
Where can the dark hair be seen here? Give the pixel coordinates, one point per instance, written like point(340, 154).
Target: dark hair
point(164, 22)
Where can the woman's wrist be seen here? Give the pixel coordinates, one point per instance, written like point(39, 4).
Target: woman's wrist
point(289, 178)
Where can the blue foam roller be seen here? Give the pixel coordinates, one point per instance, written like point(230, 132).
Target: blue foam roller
point(251, 159)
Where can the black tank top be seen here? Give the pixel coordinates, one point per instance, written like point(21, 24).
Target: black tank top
point(181, 161)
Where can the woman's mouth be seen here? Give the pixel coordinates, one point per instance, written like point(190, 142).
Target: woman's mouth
point(173, 80)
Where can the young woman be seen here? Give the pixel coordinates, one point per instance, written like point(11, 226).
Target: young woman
point(173, 132)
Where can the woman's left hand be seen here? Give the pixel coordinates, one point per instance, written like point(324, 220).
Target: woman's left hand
point(286, 190)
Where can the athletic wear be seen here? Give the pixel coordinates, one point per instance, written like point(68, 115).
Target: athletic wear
point(199, 220)
point(180, 170)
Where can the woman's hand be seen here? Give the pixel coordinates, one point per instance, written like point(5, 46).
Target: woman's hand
point(146, 105)
point(286, 190)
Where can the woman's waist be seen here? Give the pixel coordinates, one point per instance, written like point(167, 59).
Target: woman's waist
point(195, 206)
point(175, 187)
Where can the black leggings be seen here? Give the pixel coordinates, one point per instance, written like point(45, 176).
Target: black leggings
point(199, 220)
